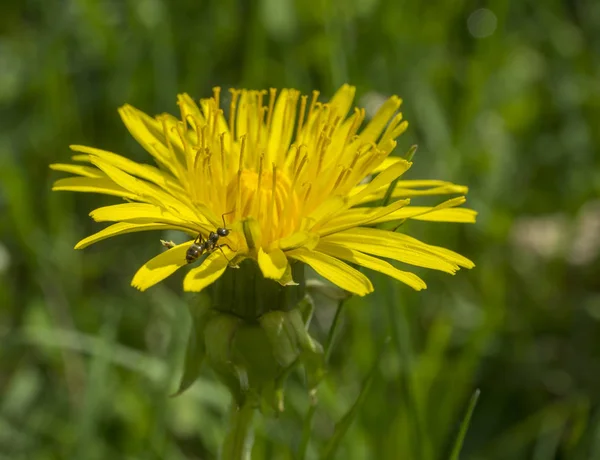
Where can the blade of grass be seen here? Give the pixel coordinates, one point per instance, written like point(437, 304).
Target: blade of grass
point(341, 427)
point(307, 423)
point(549, 440)
point(333, 330)
point(306, 431)
point(464, 426)
point(401, 338)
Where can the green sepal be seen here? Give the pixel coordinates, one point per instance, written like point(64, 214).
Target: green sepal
point(307, 308)
point(278, 395)
point(312, 356)
point(253, 352)
point(283, 341)
point(290, 340)
point(257, 333)
point(196, 347)
point(219, 334)
point(247, 294)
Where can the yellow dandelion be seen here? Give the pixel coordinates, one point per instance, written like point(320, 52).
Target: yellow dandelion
point(285, 180)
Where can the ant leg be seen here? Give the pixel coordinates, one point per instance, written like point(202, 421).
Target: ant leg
point(199, 239)
point(220, 247)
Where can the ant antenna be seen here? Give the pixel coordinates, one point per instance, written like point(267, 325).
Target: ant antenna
point(225, 214)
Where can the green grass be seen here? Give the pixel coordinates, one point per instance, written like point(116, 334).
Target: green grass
point(87, 363)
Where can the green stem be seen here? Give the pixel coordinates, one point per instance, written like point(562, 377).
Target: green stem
point(333, 330)
point(464, 426)
point(306, 431)
point(307, 425)
point(238, 442)
point(401, 339)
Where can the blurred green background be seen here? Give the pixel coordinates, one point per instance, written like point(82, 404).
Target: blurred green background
point(502, 96)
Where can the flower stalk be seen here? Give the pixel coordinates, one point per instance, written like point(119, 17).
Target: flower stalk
point(237, 444)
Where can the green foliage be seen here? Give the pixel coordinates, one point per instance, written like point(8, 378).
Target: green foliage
point(505, 102)
point(464, 426)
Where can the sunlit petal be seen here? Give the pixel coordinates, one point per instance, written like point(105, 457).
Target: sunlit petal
point(335, 271)
point(364, 260)
point(207, 273)
point(273, 263)
point(161, 266)
point(120, 229)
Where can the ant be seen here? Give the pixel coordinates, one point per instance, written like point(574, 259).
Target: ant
point(201, 245)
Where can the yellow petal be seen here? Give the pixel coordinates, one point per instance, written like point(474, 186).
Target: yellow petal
point(190, 108)
point(339, 138)
point(453, 256)
point(337, 272)
point(126, 180)
point(282, 124)
point(329, 207)
point(273, 263)
point(459, 215)
point(380, 120)
point(144, 190)
point(147, 172)
point(395, 128)
point(120, 229)
point(172, 134)
point(443, 190)
point(386, 246)
point(356, 217)
point(401, 238)
point(381, 180)
point(148, 132)
point(386, 163)
point(443, 212)
point(246, 114)
point(359, 216)
point(404, 190)
point(298, 240)
point(211, 269)
point(412, 183)
point(394, 239)
point(161, 266)
point(373, 263)
point(92, 185)
point(342, 100)
point(80, 170)
point(207, 108)
point(144, 213)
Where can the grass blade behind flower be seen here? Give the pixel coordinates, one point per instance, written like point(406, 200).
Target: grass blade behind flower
point(464, 426)
point(341, 427)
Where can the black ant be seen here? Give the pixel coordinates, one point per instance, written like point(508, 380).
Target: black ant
point(201, 245)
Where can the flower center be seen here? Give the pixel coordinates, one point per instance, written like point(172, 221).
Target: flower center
point(266, 196)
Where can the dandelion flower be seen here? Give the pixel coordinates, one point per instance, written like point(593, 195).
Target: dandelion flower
point(291, 179)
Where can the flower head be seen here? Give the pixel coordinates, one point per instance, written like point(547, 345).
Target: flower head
point(284, 179)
